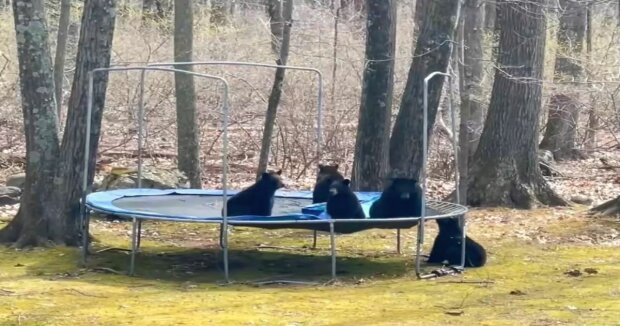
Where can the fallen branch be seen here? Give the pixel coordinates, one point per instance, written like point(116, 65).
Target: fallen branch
point(608, 208)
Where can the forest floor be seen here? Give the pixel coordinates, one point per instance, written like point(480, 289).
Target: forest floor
point(546, 267)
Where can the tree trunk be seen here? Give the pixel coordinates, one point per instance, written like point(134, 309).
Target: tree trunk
point(276, 89)
point(187, 129)
point(276, 23)
point(373, 131)
point(34, 223)
point(61, 50)
point(220, 10)
point(471, 75)
point(432, 53)
point(490, 15)
point(94, 51)
point(560, 134)
point(505, 167)
point(593, 121)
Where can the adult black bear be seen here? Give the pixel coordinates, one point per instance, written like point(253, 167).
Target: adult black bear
point(257, 199)
point(324, 179)
point(342, 202)
point(447, 246)
point(402, 198)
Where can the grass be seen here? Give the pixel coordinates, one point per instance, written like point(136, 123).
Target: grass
point(178, 278)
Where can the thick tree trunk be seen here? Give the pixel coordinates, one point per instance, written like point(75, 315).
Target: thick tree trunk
point(561, 132)
point(490, 15)
point(276, 90)
point(471, 75)
point(188, 146)
point(433, 51)
point(61, 51)
point(505, 167)
point(276, 24)
point(94, 50)
point(220, 10)
point(34, 224)
point(371, 145)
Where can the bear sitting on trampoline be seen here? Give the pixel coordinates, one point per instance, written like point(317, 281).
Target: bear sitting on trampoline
point(342, 202)
point(447, 246)
point(402, 198)
point(258, 198)
point(326, 176)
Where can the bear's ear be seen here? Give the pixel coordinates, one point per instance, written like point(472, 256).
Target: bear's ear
point(279, 172)
point(265, 175)
point(336, 166)
point(346, 182)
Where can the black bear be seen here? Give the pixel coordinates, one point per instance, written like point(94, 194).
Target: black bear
point(342, 202)
point(447, 246)
point(402, 198)
point(257, 199)
point(327, 174)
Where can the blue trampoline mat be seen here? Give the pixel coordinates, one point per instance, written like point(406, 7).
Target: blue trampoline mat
point(196, 205)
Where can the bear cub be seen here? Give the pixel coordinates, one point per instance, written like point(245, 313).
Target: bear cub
point(402, 198)
point(342, 202)
point(447, 246)
point(257, 199)
point(326, 175)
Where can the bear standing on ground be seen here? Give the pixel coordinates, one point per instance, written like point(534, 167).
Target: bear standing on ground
point(257, 199)
point(327, 174)
point(342, 202)
point(402, 198)
point(447, 246)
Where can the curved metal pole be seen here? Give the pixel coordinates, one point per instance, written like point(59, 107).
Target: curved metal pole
point(224, 110)
point(420, 240)
point(85, 216)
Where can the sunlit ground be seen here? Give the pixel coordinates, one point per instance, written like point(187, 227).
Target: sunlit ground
point(546, 267)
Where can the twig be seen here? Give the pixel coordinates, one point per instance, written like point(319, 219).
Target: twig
point(85, 294)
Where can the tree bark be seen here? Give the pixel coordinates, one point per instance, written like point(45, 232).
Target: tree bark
point(433, 51)
point(188, 146)
point(94, 51)
point(373, 131)
point(490, 15)
point(220, 10)
point(276, 89)
point(34, 221)
point(276, 24)
point(61, 51)
point(471, 75)
point(561, 132)
point(505, 167)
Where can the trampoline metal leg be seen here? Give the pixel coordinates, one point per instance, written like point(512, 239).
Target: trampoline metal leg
point(418, 249)
point(139, 234)
point(463, 238)
point(314, 234)
point(332, 240)
point(134, 244)
point(224, 244)
point(398, 250)
point(85, 242)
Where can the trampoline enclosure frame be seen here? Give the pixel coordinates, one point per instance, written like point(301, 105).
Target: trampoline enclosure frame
point(224, 110)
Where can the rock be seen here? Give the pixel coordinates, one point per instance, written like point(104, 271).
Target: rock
point(9, 195)
point(16, 180)
point(581, 199)
point(152, 177)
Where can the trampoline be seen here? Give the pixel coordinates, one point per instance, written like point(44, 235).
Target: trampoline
point(292, 209)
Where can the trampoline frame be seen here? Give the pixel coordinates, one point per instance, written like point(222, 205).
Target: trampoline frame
point(224, 110)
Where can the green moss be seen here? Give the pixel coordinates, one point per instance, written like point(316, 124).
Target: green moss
point(177, 282)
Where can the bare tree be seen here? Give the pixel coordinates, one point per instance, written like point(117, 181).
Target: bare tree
point(276, 24)
point(61, 51)
point(432, 53)
point(470, 80)
point(187, 129)
point(220, 11)
point(564, 106)
point(276, 90)
point(49, 210)
point(505, 166)
point(372, 142)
